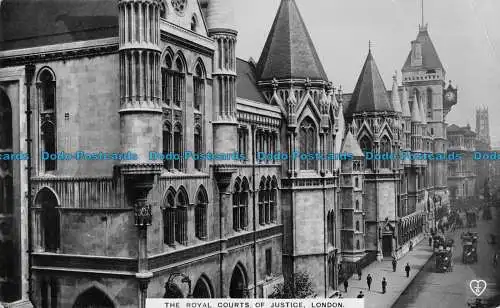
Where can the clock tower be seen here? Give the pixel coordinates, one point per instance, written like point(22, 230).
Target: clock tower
point(424, 78)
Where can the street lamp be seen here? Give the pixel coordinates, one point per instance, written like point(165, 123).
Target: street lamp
point(185, 279)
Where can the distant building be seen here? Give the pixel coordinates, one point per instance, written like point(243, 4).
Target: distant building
point(462, 173)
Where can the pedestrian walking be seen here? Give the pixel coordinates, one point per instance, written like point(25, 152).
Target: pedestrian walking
point(430, 241)
point(407, 269)
point(346, 284)
point(394, 264)
point(360, 295)
point(411, 245)
point(384, 285)
point(369, 281)
point(359, 272)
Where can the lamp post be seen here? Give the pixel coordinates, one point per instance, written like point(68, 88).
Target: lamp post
point(185, 279)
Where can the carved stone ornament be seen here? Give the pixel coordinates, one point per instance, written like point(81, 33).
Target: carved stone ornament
point(143, 214)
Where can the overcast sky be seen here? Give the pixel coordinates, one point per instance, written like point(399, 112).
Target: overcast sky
point(466, 34)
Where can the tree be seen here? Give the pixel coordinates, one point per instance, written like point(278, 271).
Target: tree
point(297, 286)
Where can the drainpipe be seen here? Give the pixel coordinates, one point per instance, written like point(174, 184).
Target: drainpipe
point(254, 218)
point(29, 73)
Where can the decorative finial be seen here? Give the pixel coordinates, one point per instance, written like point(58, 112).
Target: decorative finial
point(395, 76)
point(369, 46)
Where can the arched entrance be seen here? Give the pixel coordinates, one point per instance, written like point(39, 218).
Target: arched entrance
point(50, 219)
point(202, 289)
point(172, 291)
point(238, 288)
point(93, 298)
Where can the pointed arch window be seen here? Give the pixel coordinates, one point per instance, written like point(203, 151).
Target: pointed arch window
point(179, 84)
point(167, 144)
point(6, 183)
point(357, 204)
point(167, 81)
point(194, 23)
point(47, 99)
point(262, 196)
point(199, 88)
point(308, 143)
point(240, 205)
point(169, 218)
point(181, 218)
point(201, 214)
point(5, 123)
point(198, 147)
point(267, 202)
point(429, 103)
point(366, 146)
point(357, 226)
point(385, 147)
point(50, 220)
point(273, 201)
point(178, 146)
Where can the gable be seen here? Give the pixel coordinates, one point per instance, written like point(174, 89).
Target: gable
point(183, 18)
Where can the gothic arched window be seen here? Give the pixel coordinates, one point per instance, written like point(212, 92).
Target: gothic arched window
point(429, 103)
point(366, 146)
point(357, 226)
point(178, 146)
point(167, 144)
point(198, 147)
point(236, 206)
point(274, 200)
point(262, 193)
point(167, 80)
point(199, 88)
point(357, 204)
point(240, 205)
point(5, 123)
point(6, 183)
point(194, 23)
point(179, 85)
point(169, 218)
point(201, 214)
point(181, 217)
point(47, 99)
point(50, 220)
point(385, 147)
point(267, 202)
point(308, 143)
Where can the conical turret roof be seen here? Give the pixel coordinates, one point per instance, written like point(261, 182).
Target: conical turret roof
point(405, 104)
point(415, 110)
point(395, 96)
point(370, 94)
point(289, 51)
point(351, 145)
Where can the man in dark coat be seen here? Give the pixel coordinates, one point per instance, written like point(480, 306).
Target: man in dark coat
point(407, 269)
point(346, 284)
point(430, 241)
point(369, 281)
point(394, 264)
point(360, 295)
point(359, 272)
point(384, 285)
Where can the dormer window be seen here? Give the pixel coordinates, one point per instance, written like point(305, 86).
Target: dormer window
point(194, 23)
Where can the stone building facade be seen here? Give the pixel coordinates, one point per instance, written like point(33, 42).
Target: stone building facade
point(462, 173)
point(136, 77)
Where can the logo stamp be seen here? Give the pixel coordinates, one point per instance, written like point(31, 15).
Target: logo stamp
point(477, 287)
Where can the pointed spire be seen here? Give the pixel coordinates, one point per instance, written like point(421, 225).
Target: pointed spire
point(351, 145)
point(370, 94)
point(405, 104)
point(415, 110)
point(289, 51)
point(395, 94)
point(426, 49)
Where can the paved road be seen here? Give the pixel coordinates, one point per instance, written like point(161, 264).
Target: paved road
point(442, 290)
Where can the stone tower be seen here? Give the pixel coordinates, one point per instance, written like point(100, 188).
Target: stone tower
point(377, 124)
point(291, 76)
point(140, 114)
point(483, 124)
point(221, 28)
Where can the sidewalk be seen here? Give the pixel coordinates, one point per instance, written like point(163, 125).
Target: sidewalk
point(396, 281)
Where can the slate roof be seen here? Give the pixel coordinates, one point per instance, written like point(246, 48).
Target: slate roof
point(370, 94)
point(32, 23)
point(430, 58)
point(289, 51)
point(246, 85)
point(465, 130)
point(351, 145)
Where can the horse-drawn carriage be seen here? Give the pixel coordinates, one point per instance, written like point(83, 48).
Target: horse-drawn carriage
point(469, 253)
point(444, 261)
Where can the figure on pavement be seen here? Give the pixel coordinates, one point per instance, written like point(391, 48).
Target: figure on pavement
point(430, 241)
point(394, 264)
point(346, 284)
point(359, 272)
point(384, 285)
point(360, 295)
point(369, 281)
point(407, 269)
point(411, 245)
